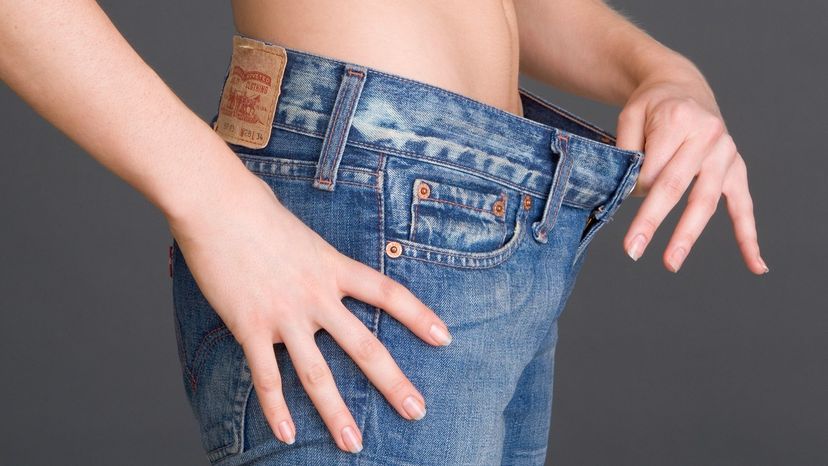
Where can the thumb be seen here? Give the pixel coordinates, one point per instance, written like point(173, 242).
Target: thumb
point(630, 128)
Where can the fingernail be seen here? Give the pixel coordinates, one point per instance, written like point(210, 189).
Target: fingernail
point(637, 246)
point(761, 261)
point(351, 440)
point(414, 408)
point(439, 334)
point(287, 432)
point(677, 258)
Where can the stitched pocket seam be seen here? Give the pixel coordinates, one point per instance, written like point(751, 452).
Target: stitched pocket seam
point(467, 260)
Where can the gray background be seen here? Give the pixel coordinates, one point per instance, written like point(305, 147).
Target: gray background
point(711, 366)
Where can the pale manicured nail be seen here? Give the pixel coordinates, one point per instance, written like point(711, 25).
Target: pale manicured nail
point(637, 246)
point(287, 432)
point(414, 408)
point(677, 258)
point(351, 440)
point(440, 335)
point(761, 261)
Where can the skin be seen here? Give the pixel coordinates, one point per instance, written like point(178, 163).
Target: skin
point(250, 256)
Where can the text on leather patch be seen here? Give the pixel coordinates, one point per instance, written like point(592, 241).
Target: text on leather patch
point(251, 92)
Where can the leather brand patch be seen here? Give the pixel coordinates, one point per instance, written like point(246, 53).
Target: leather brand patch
point(251, 92)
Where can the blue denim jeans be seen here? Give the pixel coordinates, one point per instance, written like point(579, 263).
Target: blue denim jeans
point(483, 214)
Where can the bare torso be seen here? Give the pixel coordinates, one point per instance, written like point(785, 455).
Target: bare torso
point(467, 46)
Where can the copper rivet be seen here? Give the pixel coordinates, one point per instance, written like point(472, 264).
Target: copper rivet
point(605, 139)
point(527, 202)
point(393, 249)
point(498, 207)
point(424, 190)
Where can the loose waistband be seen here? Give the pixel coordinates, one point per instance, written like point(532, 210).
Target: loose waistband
point(409, 118)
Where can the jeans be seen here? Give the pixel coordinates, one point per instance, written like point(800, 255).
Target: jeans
point(484, 215)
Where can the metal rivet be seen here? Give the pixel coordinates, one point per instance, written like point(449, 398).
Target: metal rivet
point(605, 140)
point(393, 249)
point(424, 190)
point(527, 201)
point(498, 208)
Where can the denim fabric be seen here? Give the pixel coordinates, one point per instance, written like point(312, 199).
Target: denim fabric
point(486, 216)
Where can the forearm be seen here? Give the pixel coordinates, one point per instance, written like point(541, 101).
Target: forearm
point(68, 61)
point(587, 48)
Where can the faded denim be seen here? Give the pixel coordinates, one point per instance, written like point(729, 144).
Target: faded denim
point(486, 216)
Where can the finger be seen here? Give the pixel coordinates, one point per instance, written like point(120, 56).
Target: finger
point(630, 128)
point(366, 284)
point(660, 146)
point(267, 381)
point(664, 194)
point(375, 361)
point(318, 381)
point(701, 203)
point(740, 208)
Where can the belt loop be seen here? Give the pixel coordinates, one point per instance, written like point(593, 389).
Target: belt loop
point(339, 124)
point(557, 190)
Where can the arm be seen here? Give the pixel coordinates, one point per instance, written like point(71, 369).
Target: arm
point(669, 112)
point(587, 48)
point(67, 61)
point(244, 248)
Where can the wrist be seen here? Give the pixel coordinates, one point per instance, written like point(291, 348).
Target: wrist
point(655, 63)
point(206, 199)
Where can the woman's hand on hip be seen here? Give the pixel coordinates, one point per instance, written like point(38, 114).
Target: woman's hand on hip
point(676, 122)
point(272, 279)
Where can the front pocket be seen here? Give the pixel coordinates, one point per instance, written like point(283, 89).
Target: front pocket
point(460, 218)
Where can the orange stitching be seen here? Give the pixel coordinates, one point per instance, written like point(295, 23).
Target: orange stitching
point(458, 204)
